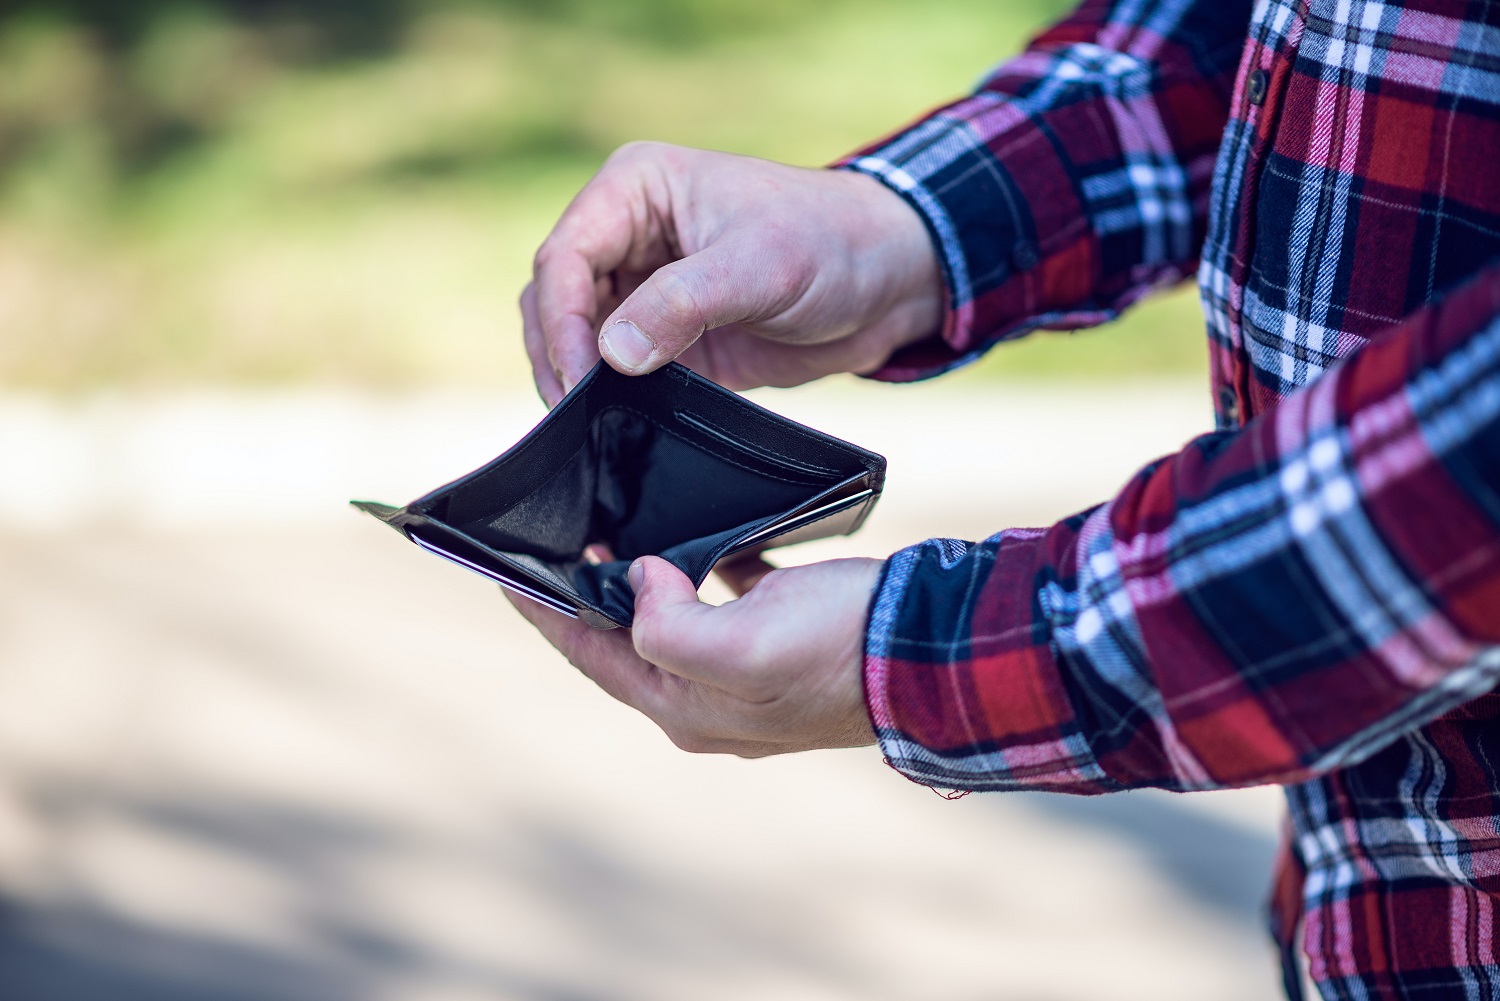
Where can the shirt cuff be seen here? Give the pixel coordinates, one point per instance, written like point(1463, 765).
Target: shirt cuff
point(957, 710)
point(899, 752)
point(975, 215)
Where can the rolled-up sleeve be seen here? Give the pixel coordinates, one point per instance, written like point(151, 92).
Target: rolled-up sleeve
point(1075, 179)
point(1266, 605)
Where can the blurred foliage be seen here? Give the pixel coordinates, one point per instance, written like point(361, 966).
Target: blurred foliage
point(276, 190)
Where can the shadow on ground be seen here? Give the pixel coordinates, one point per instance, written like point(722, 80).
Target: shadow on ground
point(74, 945)
point(1221, 867)
point(333, 942)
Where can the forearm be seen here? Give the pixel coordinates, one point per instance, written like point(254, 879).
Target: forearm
point(1264, 605)
point(1074, 179)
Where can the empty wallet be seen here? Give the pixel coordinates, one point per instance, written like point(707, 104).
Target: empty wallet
point(667, 464)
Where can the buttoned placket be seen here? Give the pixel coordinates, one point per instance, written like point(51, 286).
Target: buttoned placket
point(1259, 106)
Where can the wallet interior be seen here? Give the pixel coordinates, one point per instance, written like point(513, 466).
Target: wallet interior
point(667, 464)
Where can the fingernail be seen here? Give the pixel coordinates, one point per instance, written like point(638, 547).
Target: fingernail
point(636, 575)
point(627, 345)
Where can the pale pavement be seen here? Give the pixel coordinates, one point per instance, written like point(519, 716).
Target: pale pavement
point(255, 746)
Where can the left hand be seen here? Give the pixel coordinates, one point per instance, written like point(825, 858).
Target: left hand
point(751, 273)
point(776, 670)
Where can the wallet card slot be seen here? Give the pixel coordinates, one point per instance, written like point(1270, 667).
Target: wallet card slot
point(737, 443)
point(743, 457)
point(688, 492)
point(806, 518)
point(665, 464)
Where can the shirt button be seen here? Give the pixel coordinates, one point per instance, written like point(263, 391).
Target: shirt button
point(1229, 404)
point(1024, 255)
point(1255, 87)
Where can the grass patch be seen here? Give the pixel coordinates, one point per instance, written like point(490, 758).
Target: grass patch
point(268, 193)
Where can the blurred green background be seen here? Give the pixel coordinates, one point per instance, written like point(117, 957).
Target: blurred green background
point(350, 191)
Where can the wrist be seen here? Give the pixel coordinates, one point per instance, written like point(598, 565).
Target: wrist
point(896, 255)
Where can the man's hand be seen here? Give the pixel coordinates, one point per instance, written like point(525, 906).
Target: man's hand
point(795, 273)
point(777, 670)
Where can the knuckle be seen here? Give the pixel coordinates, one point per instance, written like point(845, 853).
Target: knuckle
point(784, 281)
point(759, 657)
point(636, 151)
point(757, 685)
point(680, 294)
point(692, 741)
point(628, 160)
point(629, 151)
point(544, 256)
point(646, 634)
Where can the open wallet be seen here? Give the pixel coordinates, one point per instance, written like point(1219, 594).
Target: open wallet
point(667, 464)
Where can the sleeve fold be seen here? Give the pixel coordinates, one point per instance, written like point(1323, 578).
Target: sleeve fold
point(1263, 606)
point(1074, 180)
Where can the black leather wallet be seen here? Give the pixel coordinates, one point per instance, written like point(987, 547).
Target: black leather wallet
point(667, 464)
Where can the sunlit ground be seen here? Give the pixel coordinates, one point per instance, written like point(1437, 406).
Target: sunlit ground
point(254, 746)
point(257, 746)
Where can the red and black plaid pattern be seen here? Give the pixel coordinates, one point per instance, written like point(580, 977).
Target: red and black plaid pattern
point(1359, 179)
point(1310, 595)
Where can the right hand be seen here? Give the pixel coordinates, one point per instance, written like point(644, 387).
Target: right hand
point(791, 273)
point(778, 670)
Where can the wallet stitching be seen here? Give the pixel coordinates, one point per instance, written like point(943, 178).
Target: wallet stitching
point(687, 378)
point(530, 443)
point(556, 582)
point(714, 431)
point(864, 504)
point(665, 430)
point(692, 444)
point(786, 423)
point(771, 539)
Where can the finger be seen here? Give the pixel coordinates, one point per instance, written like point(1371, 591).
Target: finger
point(738, 358)
point(742, 572)
point(567, 307)
point(595, 235)
point(682, 635)
point(548, 384)
point(733, 280)
point(605, 657)
point(694, 716)
point(596, 553)
point(606, 297)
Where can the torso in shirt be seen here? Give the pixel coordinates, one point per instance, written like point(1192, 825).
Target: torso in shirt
point(1359, 177)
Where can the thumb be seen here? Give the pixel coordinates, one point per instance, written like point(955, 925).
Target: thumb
point(672, 628)
point(726, 282)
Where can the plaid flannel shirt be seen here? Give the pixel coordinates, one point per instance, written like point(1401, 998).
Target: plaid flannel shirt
point(1309, 595)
